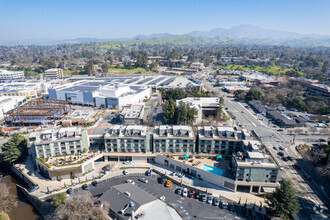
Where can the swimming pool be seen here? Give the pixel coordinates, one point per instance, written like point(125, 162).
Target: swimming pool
point(212, 169)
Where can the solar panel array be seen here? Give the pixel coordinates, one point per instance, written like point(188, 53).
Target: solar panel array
point(156, 80)
point(167, 81)
point(145, 80)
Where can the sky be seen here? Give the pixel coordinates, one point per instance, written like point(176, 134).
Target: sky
point(108, 19)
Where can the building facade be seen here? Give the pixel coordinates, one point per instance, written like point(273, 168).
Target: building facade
point(174, 139)
point(54, 73)
point(131, 138)
point(11, 75)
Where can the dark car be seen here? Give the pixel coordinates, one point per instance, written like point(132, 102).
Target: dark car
point(161, 180)
point(297, 166)
point(231, 206)
point(197, 195)
point(84, 187)
point(284, 158)
point(289, 158)
point(94, 183)
point(308, 177)
point(191, 193)
point(34, 188)
point(280, 154)
point(69, 191)
point(179, 191)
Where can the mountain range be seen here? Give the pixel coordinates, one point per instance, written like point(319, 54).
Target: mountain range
point(241, 33)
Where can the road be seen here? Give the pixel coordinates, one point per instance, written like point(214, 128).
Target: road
point(308, 191)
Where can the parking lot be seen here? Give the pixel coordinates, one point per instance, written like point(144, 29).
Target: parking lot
point(189, 208)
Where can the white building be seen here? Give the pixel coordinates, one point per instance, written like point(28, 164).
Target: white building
point(10, 75)
point(54, 73)
point(100, 93)
point(8, 103)
point(204, 105)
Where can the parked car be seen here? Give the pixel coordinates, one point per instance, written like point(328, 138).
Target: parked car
point(216, 201)
point(127, 193)
point(191, 193)
point(275, 148)
point(209, 199)
point(203, 197)
point(282, 148)
point(185, 192)
point(84, 187)
point(106, 168)
point(94, 183)
point(281, 167)
point(127, 162)
point(162, 198)
point(148, 173)
point(143, 180)
point(224, 204)
point(297, 166)
point(168, 183)
point(31, 173)
point(197, 195)
point(231, 206)
point(289, 158)
point(125, 172)
point(284, 158)
point(130, 181)
point(161, 180)
point(69, 191)
point(179, 191)
point(280, 154)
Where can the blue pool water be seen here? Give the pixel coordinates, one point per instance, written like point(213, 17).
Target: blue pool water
point(212, 169)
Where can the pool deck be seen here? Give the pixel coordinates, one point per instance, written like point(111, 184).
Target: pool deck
point(198, 162)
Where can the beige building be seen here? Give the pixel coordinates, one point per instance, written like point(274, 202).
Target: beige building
point(54, 73)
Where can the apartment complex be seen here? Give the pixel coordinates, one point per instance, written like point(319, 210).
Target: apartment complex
point(131, 138)
point(11, 75)
point(54, 73)
point(174, 139)
point(64, 141)
point(219, 140)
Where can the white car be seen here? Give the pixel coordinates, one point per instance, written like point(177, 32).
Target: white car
point(127, 162)
point(143, 180)
point(125, 172)
point(130, 181)
point(281, 167)
point(162, 198)
point(185, 192)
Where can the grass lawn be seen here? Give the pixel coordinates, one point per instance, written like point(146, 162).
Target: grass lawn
point(134, 70)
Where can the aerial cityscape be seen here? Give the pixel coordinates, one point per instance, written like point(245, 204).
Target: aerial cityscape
point(164, 110)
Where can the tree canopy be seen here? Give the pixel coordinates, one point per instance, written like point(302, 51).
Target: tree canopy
point(15, 149)
point(58, 199)
point(283, 200)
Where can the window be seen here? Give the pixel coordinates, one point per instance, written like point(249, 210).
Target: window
point(247, 174)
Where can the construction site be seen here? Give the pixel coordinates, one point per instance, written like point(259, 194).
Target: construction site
point(37, 112)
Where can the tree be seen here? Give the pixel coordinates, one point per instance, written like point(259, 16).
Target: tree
point(110, 58)
point(142, 59)
point(81, 206)
point(89, 69)
point(283, 200)
point(105, 67)
point(7, 199)
point(169, 110)
point(253, 94)
point(15, 149)
point(58, 199)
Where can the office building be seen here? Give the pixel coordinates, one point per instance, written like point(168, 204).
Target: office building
point(11, 75)
point(54, 73)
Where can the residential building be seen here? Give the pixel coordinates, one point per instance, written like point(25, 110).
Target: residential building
point(65, 141)
point(54, 73)
point(173, 138)
point(219, 140)
point(11, 75)
point(131, 138)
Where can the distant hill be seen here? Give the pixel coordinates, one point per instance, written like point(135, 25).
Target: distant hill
point(242, 34)
point(252, 32)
